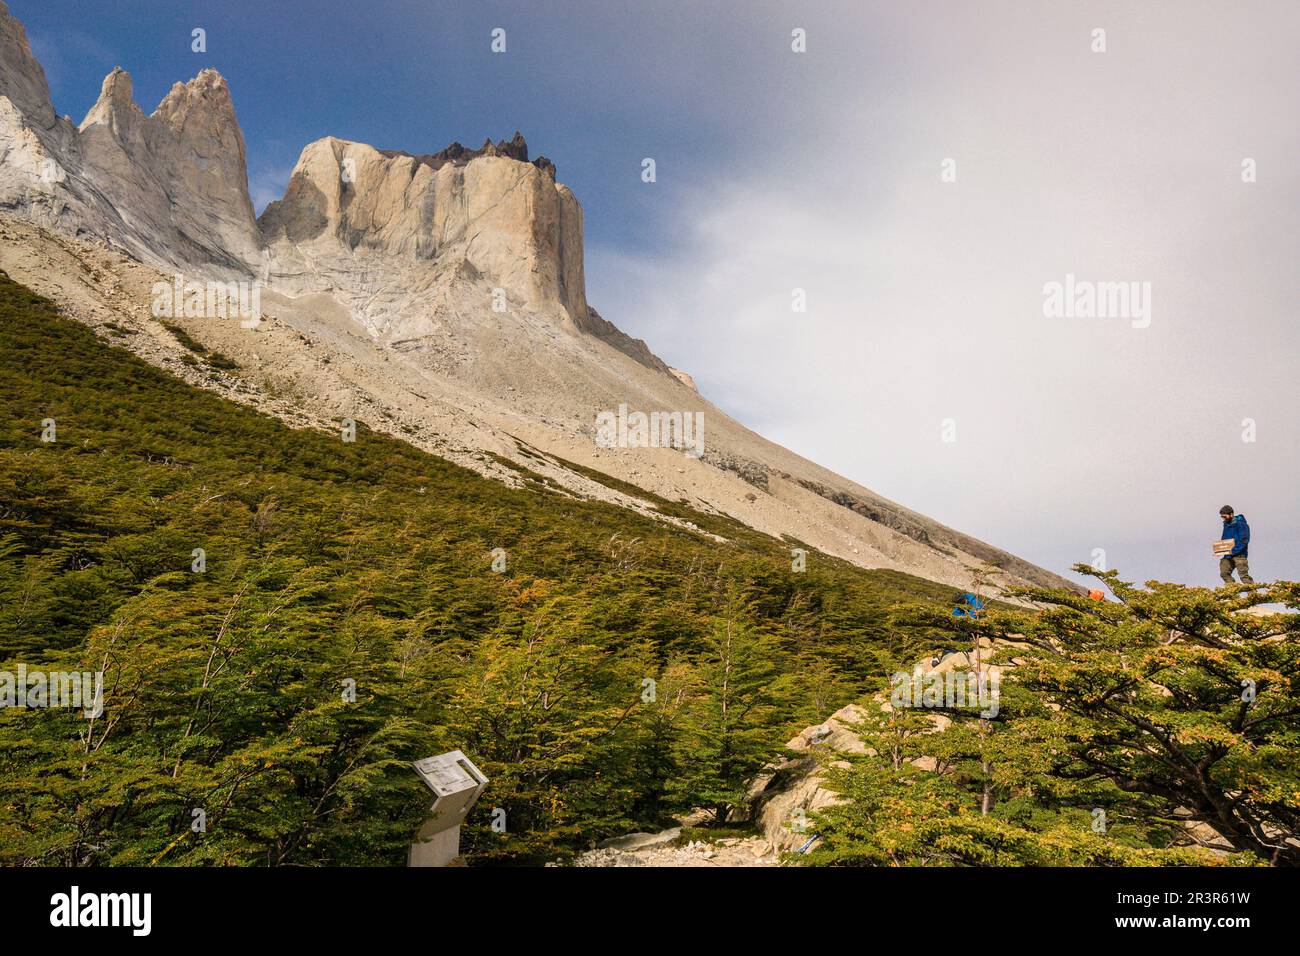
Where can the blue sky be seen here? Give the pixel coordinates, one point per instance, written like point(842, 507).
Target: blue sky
point(821, 171)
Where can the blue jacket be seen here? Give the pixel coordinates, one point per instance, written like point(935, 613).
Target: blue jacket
point(1238, 531)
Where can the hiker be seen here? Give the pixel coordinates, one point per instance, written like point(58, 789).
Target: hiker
point(1236, 530)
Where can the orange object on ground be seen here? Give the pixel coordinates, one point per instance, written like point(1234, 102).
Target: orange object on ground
point(1097, 595)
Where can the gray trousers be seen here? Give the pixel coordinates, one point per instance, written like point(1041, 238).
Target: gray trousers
point(1229, 563)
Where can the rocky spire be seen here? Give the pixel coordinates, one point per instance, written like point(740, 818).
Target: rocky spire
point(179, 176)
point(115, 110)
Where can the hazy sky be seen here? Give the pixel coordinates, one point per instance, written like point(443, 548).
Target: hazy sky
point(822, 171)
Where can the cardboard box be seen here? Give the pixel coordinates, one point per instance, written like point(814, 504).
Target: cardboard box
point(1224, 547)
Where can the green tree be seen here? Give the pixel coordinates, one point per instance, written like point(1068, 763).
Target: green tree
point(1185, 695)
point(545, 711)
point(730, 726)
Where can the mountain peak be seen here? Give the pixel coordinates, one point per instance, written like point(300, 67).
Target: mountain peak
point(422, 217)
point(207, 94)
point(173, 186)
point(115, 107)
point(117, 84)
point(203, 112)
point(209, 87)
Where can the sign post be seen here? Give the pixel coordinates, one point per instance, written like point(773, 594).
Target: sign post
point(456, 784)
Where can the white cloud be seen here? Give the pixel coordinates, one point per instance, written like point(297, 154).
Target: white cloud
point(925, 298)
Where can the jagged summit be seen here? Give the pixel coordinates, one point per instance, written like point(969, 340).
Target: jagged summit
point(515, 148)
point(207, 91)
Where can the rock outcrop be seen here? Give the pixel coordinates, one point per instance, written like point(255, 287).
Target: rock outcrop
point(388, 233)
point(789, 792)
point(796, 787)
point(384, 232)
point(362, 221)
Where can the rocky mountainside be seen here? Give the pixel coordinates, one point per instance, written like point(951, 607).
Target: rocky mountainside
point(385, 231)
point(440, 297)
